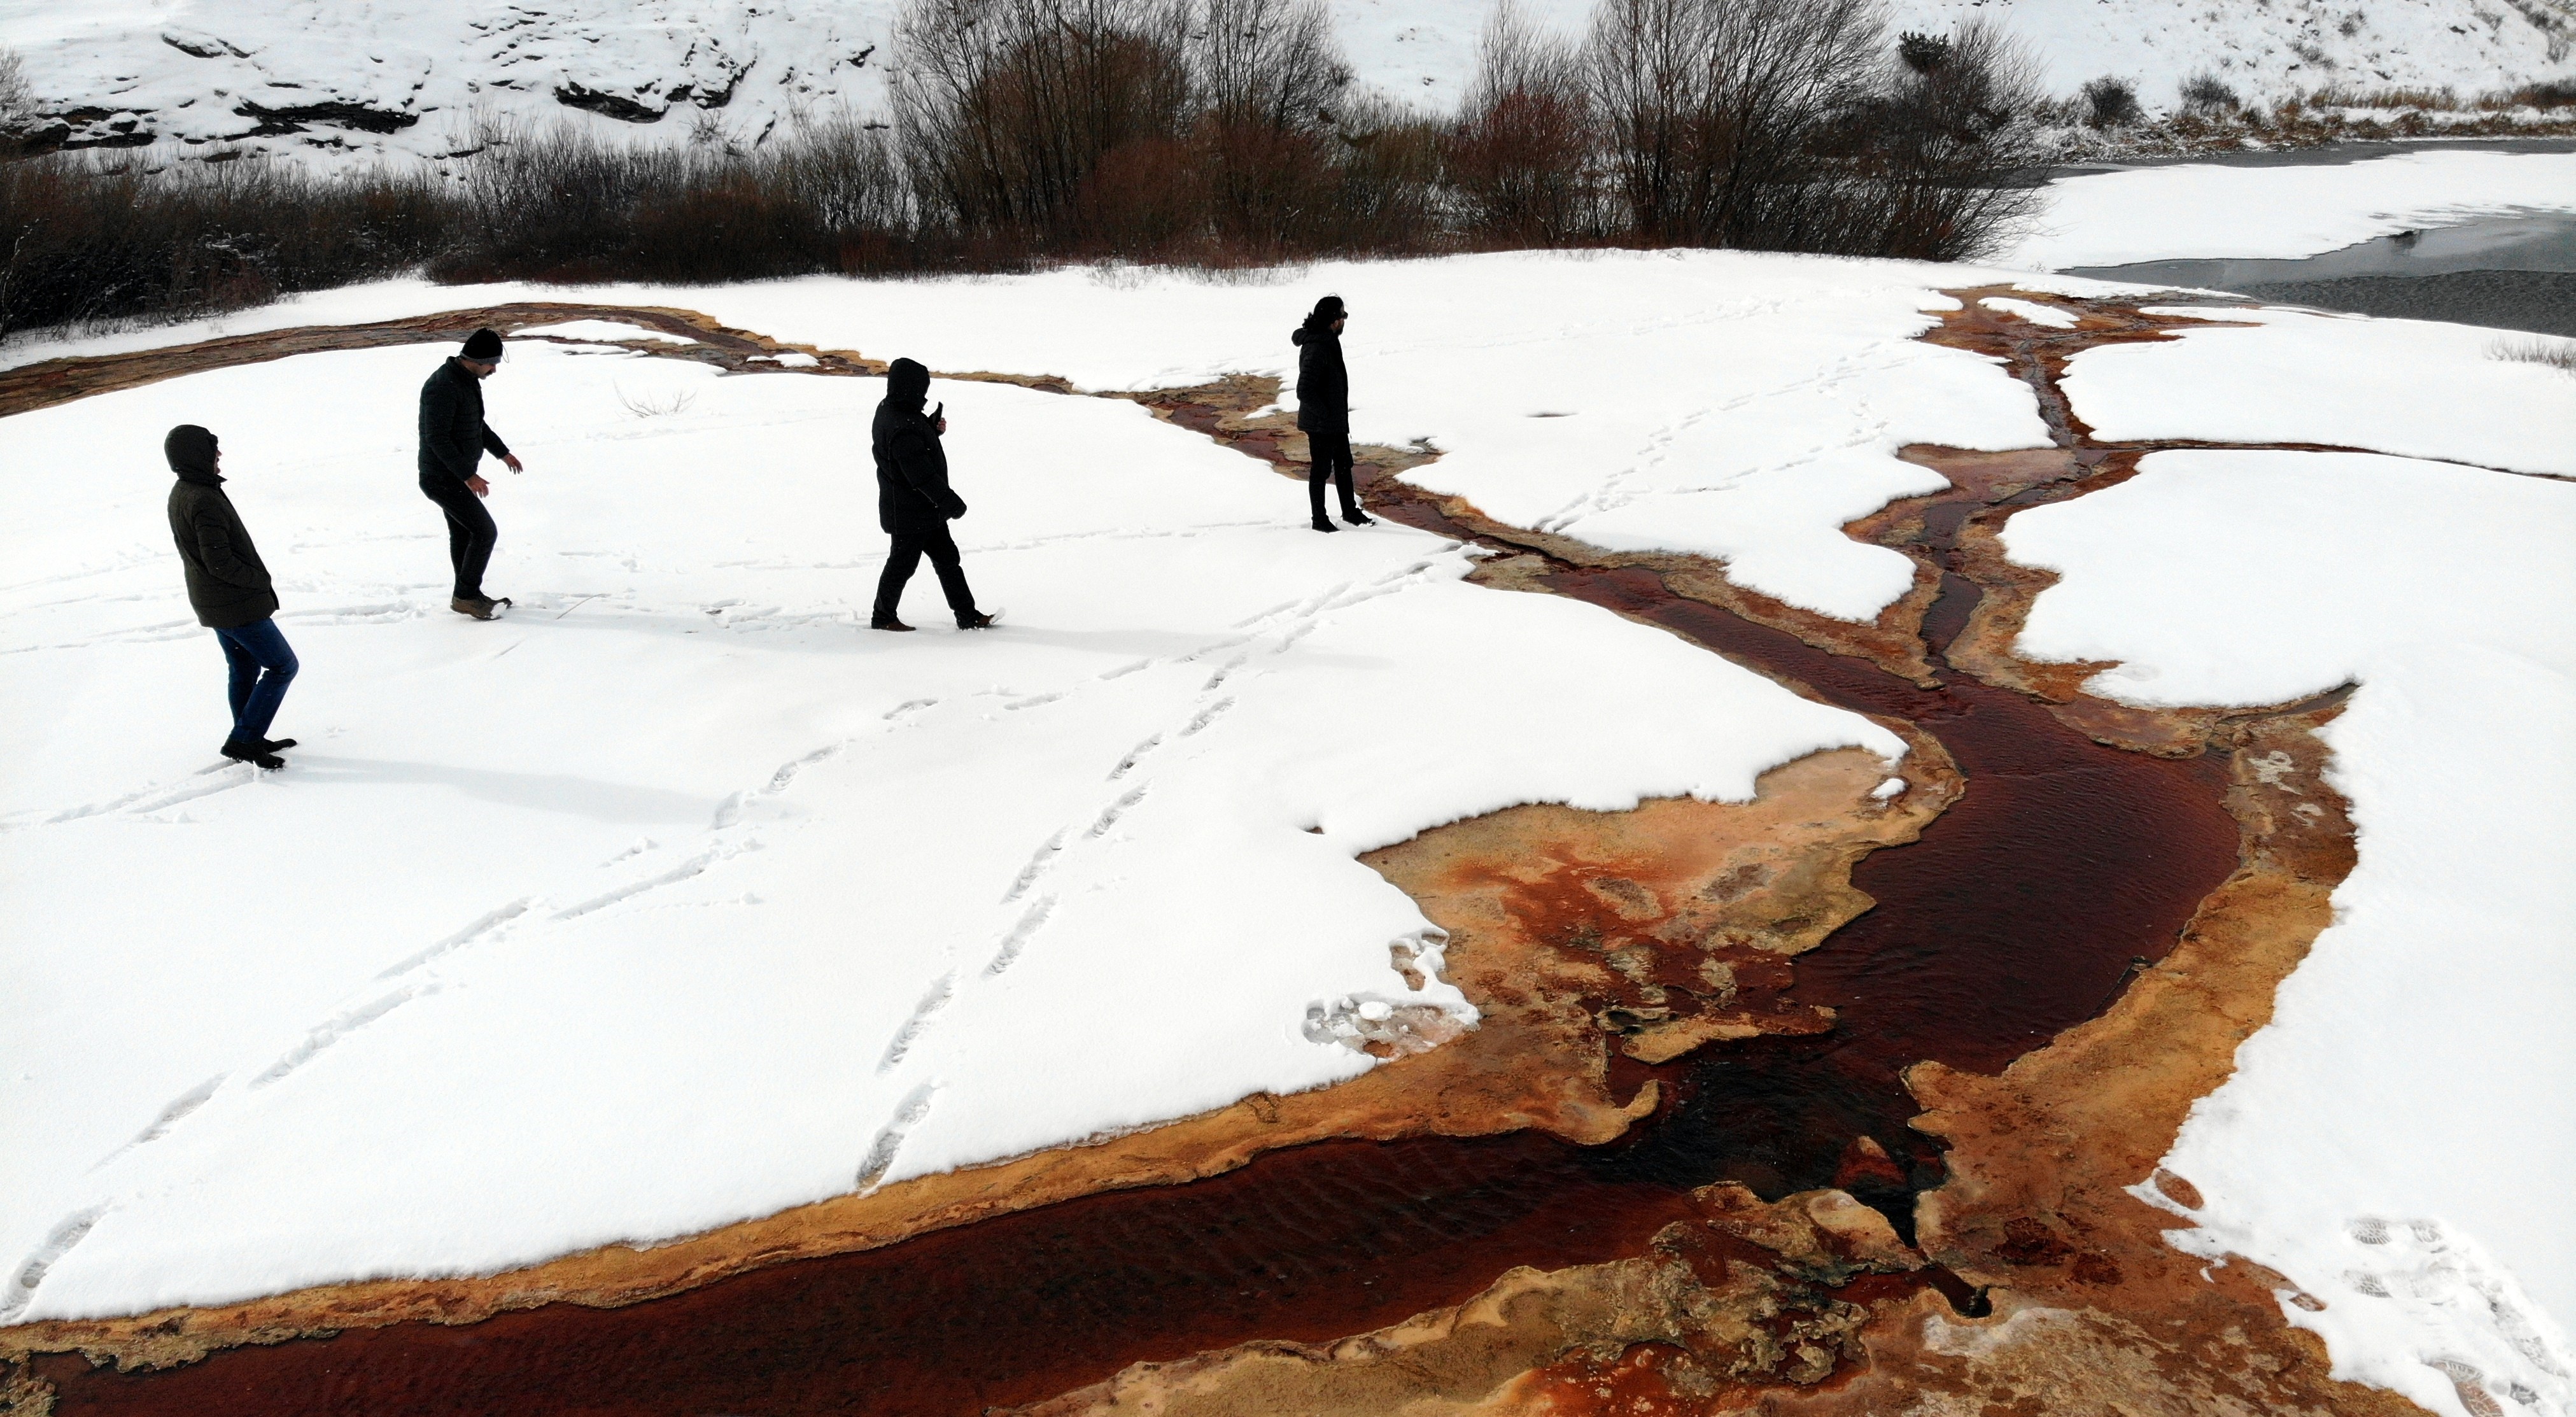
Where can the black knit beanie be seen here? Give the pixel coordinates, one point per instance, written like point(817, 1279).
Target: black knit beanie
point(191, 451)
point(483, 346)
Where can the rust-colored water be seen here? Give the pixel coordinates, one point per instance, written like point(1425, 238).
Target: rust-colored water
point(1307, 1244)
point(2018, 913)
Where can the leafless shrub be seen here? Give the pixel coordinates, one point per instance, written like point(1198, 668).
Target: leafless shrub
point(1009, 107)
point(2557, 354)
point(659, 405)
point(1523, 155)
point(17, 103)
point(1938, 151)
point(1267, 75)
point(90, 236)
point(1711, 107)
point(2206, 93)
point(565, 204)
point(1386, 165)
point(2110, 102)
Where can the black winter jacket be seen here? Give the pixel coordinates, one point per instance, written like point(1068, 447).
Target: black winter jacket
point(453, 438)
point(228, 586)
point(913, 495)
point(1323, 385)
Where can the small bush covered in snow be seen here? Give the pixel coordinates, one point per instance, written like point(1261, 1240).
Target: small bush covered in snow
point(2109, 102)
point(2205, 93)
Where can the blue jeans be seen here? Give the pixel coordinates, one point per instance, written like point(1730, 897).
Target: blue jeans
point(262, 667)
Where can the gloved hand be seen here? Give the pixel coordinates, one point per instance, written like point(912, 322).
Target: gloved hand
point(956, 506)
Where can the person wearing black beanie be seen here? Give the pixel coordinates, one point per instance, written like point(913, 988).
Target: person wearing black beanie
point(1324, 410)
point(453, 440)
point(229, 588)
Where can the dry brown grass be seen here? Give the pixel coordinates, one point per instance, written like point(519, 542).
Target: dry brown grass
point(2558, 354)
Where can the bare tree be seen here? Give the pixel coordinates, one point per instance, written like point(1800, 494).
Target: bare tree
point(1710, 107)
point(1523, 154)
point(1941, 147)
point(1267, 74)
point(17, 103)
point(1006, 107)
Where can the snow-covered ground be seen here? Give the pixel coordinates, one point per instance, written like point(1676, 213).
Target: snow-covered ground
point(2393, 1141)
point(714, 883)
point(1713, 402)
point(403, 77)
point(2395, 386)
point(2198, 210)
point(679, 897)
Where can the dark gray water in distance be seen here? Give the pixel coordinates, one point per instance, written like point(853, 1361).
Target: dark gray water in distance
point(2510, 272)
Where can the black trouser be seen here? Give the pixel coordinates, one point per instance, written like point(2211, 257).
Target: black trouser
point(905, 555)
point(470, 533)
point(1331, 452)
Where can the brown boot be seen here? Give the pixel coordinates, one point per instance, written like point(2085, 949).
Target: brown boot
point(481, 607)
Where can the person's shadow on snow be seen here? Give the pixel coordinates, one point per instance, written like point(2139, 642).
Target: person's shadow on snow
point(546, 792)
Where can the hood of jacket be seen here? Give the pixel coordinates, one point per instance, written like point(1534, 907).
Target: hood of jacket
point(191, 451)
point(907, 384)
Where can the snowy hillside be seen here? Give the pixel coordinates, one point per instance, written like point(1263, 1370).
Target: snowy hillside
point(407, 77)
point(2266, 49)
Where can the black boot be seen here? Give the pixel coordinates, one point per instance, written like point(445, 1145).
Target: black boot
point(978, 619)
point(1356, 517)
point(277, 745)
point(1325, 524)
point(255, 753)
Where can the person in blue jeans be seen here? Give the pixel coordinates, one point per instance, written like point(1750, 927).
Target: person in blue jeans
point(229, 588)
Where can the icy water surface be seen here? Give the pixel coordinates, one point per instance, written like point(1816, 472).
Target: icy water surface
point(2511, 272)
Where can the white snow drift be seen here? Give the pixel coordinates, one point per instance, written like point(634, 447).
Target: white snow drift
point(679, 897)
point(2193, 211)
point(2394, 1140)
point(2395, 386)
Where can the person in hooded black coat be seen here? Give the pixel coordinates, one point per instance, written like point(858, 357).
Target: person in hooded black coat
point(914, 501)
point(229, 588)
point(1324, 410)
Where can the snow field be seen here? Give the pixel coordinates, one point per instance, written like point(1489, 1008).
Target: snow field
point(2411, 387)
point(2201, 210)
point(2393, 1140)
point(676, 897)
point(1715, 403)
